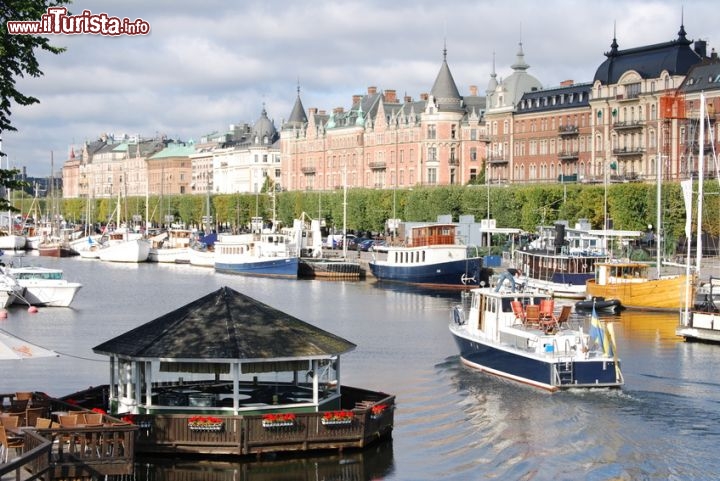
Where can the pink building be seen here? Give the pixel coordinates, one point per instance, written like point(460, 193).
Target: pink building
point(384, 142)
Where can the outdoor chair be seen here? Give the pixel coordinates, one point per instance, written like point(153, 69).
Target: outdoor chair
point(92, 418)
point(518, 311)
point(23, 395)
point(547, 308)
point(564, 317)
point(32, 414)
point(532, 315)
point(43, 423)
point(10, 420)
point(8, 443)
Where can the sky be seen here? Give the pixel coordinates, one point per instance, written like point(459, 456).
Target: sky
point(207, 65)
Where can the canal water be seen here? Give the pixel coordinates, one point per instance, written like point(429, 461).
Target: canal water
point(451, 423)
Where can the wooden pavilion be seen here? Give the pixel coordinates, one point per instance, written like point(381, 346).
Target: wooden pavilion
point(229, 365)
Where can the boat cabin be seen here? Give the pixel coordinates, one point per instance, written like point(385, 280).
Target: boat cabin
point(621, 273)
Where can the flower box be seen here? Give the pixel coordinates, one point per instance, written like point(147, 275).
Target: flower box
point(377, 411)
point(277, 424)
point(337, 418)
point(206, 427)
point(279, 420)
point(205, 423)
point(336, 422)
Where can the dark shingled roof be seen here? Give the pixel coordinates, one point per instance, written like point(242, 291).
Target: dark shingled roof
point(225, 325)
point(676, 57)
point(444, 89)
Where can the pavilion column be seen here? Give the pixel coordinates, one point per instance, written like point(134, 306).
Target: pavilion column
point(138, 375)
point(147, 377)
point(315, 383)
point(236, 386)
point(337, 375)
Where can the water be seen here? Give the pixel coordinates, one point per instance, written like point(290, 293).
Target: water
point(451, 423)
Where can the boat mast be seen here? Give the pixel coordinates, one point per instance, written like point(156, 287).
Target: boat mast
point(701, 161)
point(658, 211)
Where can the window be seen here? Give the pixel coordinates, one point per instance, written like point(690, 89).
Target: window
point(432, 176)
point(473, 134)
point(432, 154)
point(431, 132)
point(473, 153)
point(452, 132)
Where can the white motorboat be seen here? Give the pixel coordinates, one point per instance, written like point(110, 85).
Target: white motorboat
point(172, 246)
point(10, 290)
point(43, 286)
point(125, 247)
point(505, 334)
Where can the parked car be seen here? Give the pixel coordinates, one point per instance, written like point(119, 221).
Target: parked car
point(366, 244)
point(379, 246)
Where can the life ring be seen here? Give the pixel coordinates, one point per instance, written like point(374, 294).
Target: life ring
point(458, 316)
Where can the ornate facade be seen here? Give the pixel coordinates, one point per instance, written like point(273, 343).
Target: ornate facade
point(384, 142)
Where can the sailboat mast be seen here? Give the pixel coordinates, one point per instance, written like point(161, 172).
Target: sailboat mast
point(701, 162)
point(658, 210)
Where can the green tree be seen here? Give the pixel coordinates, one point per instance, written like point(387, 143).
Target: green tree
point(17, 59)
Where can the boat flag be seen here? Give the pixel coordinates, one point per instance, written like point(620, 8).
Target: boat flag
point(597, 333)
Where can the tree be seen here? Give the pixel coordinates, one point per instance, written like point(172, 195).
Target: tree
point(17, 59)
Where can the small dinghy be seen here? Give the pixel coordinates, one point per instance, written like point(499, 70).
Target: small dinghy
point(600, 303)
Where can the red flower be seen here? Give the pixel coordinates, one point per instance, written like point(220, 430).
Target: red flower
point(98, 410)
point(279, 417)
point(338, 415)
point(128, 418)
point(378, 409)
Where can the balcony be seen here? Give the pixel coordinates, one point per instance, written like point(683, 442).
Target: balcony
point(377, 165)
point(453, 161)
point(568, 130)
point(568, 156)
point(628, 125)
point(629, 152)
point(308, 170)
point(498, 159)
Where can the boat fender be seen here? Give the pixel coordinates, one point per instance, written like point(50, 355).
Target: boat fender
point(458, 316)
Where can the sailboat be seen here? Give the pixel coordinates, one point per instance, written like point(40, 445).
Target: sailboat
point(699, 322)
point(9, 239)
point(122, 245)
point(57, 243)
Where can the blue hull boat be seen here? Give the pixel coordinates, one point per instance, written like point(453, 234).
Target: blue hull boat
point(493, 338)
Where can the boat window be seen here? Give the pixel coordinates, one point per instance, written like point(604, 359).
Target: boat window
point(506, 307)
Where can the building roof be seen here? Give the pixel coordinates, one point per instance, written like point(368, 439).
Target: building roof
point(676, 57)
point(703, 77)
point(560, 98)
point(264, 128)
point(444, 89)
point(298, 118)
point(175, 149)
point(222, 326)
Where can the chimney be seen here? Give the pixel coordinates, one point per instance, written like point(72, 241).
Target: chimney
point(338, 110)
point(473, 90)
point(321, 112)
point(356, 99)
point(408, 99)
point(390, 96)
point(424, 97)
point(567, 83)
point(372, 90)
point(312, 110)
point(701, 48)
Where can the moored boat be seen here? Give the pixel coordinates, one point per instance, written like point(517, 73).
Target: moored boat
point(266, 254)
point(44, 286)
point(562, 259)
point(432, 256)
point(503, 333)
point(599, 304)
point(124, 247)
point(631, 283)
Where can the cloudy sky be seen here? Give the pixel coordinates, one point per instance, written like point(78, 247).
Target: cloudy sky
point(206, 65)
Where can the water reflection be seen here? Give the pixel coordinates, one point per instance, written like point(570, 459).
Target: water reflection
point(375, 462)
